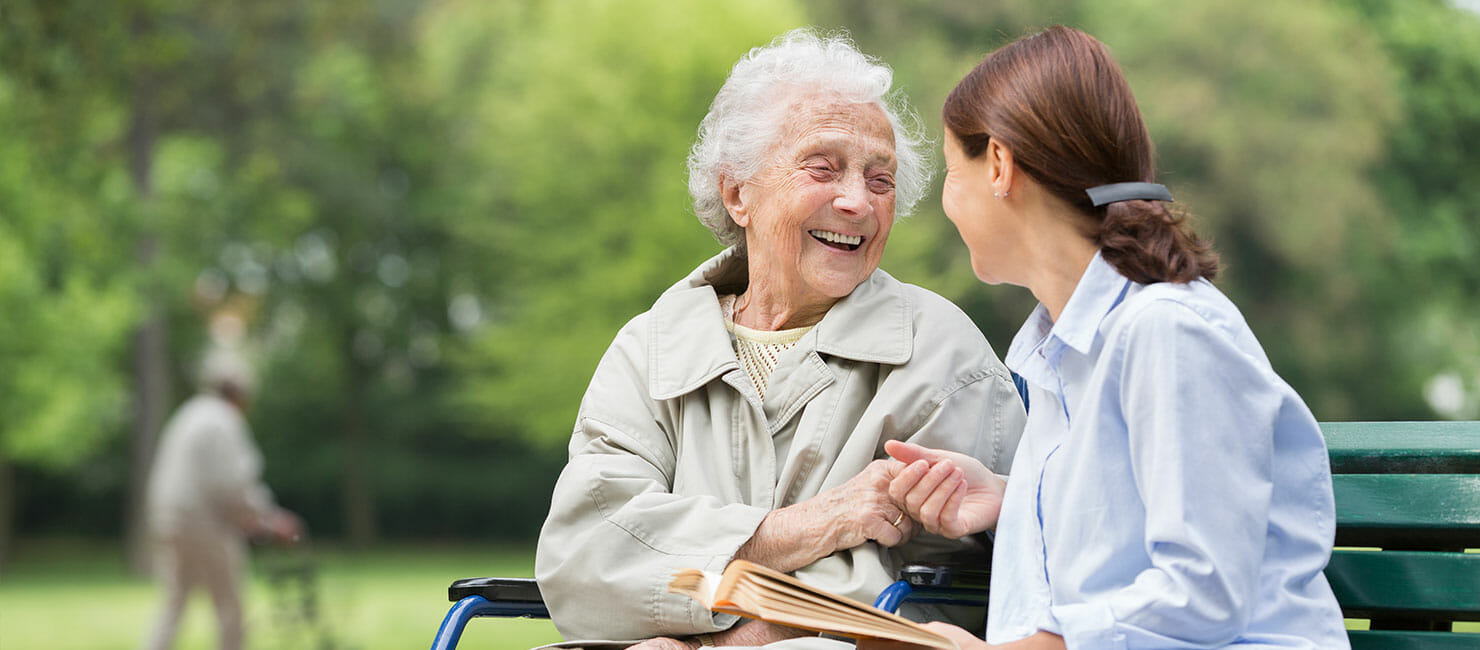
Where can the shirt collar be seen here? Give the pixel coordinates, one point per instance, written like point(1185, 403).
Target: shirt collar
point(1099, 290)
point(688, 344)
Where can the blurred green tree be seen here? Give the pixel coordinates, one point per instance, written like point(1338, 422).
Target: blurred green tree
point(67, 304)
point(1430, 281)
point(67, 285)
point(1252, 111)
point(435, 216)
point(578, 209)
point(1269, 123)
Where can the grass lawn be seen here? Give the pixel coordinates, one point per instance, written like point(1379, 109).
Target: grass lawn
point(67, 595)
point(70, 595)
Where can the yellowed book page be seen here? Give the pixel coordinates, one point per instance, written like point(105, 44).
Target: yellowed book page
point(799, 610)
point(696, 584)
point(754, 591)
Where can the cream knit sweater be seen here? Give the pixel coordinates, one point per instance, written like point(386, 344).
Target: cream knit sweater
point(758, 350)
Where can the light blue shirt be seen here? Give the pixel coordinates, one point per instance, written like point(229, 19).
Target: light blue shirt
point(1170, 490)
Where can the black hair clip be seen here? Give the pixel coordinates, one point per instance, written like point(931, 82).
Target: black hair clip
point(1128, 192)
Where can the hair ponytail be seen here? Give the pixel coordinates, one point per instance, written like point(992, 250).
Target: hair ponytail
point(1059, 101)
point(1147, 242)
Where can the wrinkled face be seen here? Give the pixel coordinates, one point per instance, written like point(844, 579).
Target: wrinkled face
point(817, 216)
point(968, 202)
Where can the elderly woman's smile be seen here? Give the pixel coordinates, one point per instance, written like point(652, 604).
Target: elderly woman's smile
point(837, 240)
point(818, 215)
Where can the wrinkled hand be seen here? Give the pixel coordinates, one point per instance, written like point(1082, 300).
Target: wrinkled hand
point(664, 643)
point(837, 519)
point(948, 493)
point(757, 633)
point(862, 510)
point(746, 633)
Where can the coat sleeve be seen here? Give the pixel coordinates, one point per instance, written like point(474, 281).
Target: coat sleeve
point(980, 415)
point(234, 478)
point(957, 391)
point(952, 394)
point(616, 532)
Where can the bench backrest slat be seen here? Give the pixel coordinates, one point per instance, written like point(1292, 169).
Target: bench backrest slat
point(1412, 490)
point(1403, 447)
point(1392, 584)
point(1407, 511)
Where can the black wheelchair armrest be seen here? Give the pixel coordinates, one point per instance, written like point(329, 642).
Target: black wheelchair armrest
point(945, 584)
point(479, 597)
point(508, 590)
point(926, 576)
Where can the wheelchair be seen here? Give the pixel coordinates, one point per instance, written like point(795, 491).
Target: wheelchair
point(947, 584)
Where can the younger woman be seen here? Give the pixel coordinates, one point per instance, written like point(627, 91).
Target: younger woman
point(1170, 490)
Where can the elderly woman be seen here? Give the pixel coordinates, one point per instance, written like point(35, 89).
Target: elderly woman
point(744, 415)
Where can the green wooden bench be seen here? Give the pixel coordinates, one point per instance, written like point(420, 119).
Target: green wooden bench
point(1407, 507)
point(1411, 489)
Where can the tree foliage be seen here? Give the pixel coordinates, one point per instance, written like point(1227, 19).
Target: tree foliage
point(434, 216)
point(580, 213)
point(1431, 282)
point(66, 311)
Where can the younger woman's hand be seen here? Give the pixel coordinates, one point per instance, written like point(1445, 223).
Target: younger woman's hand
point(948, 493)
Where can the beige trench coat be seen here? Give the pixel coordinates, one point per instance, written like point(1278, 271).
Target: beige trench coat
point(672, 462)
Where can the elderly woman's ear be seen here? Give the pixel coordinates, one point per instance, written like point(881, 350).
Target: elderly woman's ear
point(729, 194)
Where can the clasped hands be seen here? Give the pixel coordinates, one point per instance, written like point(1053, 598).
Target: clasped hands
point(944, 492)
point(952, 495)
point(948, 493)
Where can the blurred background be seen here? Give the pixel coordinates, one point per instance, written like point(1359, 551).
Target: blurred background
point(427, 219)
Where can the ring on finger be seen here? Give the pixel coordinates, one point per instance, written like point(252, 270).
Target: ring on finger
point(898, 519)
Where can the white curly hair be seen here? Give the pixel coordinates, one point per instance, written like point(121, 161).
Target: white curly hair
point(748, 116)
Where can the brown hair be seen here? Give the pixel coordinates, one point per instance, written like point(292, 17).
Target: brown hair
point(1061, 104)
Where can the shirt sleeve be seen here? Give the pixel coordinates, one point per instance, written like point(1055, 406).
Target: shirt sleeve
point(616, 533)
point(1199, 412)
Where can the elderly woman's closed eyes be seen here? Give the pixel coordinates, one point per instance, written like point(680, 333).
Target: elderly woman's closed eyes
point(744, 415)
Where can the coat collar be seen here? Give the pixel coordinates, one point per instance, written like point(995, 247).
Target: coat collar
point(689, 346)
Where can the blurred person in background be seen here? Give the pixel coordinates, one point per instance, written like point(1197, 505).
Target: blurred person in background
point(206, 498)
point(744, 415)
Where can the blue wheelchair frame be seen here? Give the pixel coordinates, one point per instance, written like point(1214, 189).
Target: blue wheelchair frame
point(519, 597)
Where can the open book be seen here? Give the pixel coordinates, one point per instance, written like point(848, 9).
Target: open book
point(751, 590)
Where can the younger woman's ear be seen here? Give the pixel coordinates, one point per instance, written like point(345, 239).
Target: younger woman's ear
point(1000, 167)
point(729, 194)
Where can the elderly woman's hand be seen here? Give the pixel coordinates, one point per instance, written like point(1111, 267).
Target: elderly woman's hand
point(745, 633)
point(861, 510)
point(664, 643)
point(950, 494)
point(837, 519)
